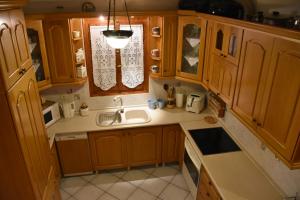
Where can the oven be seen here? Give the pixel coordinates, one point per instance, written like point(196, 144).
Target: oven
point(191, 167)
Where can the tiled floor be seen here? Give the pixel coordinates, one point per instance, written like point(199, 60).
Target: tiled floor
point(161, 183)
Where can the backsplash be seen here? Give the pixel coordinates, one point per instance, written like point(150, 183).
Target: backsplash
point(101, 102)
point(288, 180)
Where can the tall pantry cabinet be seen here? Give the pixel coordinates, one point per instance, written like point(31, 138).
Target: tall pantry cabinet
point(26, 171)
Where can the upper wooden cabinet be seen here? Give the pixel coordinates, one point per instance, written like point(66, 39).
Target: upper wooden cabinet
point(226, 41)
point(38, 51)
point(222, 78)
point(27, 114)
point(14, 51)
point(163, 38)
point(58, 41)
point(254, 64)
point(144, 146)
point(278, 122)
point(190, 47)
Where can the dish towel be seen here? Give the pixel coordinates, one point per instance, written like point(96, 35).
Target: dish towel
point(103, 59)
point(132, 57)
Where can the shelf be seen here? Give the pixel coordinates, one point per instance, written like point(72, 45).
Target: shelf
point(156, 36)
point(76, 39)
point(80, 63)
point(155, 58)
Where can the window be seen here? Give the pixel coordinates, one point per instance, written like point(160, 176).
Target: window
point(113, 84)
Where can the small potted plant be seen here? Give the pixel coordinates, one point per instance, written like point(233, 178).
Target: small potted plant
point(84, 109)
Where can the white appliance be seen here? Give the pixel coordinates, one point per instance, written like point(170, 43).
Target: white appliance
point(68, 108)
point(50, 112)
point(191, 168)
point(195, 102)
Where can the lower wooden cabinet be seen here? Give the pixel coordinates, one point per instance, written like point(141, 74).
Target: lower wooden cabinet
point(144, 146)
point(55, 163)
point(172, 142)
point(108, 149)
point(136, 147)
point(206, 189)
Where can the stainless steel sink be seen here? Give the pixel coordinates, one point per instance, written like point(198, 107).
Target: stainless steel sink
point(130, 116)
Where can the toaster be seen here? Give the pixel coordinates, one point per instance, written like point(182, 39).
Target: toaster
point(195, 102)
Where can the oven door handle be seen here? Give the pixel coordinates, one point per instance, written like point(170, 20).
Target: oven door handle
point(192, 154)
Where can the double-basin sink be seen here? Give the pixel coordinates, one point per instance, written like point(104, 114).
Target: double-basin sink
point(123, 117)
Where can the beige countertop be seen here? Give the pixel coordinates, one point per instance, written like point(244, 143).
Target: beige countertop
point(234, 174)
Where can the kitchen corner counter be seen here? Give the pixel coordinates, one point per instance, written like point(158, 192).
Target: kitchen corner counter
point(235, 176)
point(79, 124)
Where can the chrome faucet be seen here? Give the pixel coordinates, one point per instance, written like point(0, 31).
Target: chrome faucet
point(116, 100)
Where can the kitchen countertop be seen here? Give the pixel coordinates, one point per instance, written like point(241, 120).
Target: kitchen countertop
point(236, 177)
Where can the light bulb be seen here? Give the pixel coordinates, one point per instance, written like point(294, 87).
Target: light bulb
point(117, 43)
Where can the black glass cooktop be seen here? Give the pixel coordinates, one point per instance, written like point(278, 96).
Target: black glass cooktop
point(213, 141)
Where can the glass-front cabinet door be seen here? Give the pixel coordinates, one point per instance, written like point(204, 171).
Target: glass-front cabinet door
point(37, 49)
point(191, 44)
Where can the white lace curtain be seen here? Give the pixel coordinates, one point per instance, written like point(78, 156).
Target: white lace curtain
point(104, 59)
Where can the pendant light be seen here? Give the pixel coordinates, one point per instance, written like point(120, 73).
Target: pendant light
point(117, 39)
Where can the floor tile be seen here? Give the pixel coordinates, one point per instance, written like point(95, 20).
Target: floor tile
point(88, 178)
point(72, 185)
point(104, 181)
point(180, 182)
point(64, 195)
point(141, 195)
point(173, 193)
point(149, 170)
point(135, 177)
point(154, 185)
point(107, 197)
point(88, 192)
point(166, 173)
point(121, 190)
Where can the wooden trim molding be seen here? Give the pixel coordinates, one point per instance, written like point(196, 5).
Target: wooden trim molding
point(9, 4)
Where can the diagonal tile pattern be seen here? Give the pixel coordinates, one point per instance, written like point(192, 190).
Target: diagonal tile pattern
point(145, 183)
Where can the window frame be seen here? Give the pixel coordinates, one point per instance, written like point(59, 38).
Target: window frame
point(119, 88)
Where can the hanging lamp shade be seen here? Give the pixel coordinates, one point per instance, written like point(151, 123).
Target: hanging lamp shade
point(117, 39)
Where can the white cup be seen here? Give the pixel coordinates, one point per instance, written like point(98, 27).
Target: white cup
point(76, 34)
point(179, 100)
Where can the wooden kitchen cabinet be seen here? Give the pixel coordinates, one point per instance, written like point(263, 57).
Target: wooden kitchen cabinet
point(166, 43)
point(55, 162)
point(15, 58)
point(61, 54)
point(27, 114)
point(222, 78)
point(278, 122)
point(206, 189)
point(190, 48)
point(255, 59)
point(108, 149)
point(226, 41)
point(171, 143)
point(38, 52)
point(144, 146)
point(207, 58)
point(74, 154)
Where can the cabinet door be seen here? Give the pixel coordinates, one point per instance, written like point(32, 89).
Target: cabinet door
point(255, 60)
point(10, 68)
point(279, 121)
point(234, 36)
point(55, 163)
point(38, 52)
point(108, 149)
point(27, 113)
point(144, 146)
point(206, 67)
point(74, 164)
point(216, 74)
point(171, 143)
point(21, 41)
point(228, 82)
point(59, 51)
point(191, 47)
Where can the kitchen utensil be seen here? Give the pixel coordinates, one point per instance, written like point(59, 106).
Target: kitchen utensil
point(68, 107)
point(154, 68)
point(170, 102)
point(166, 87)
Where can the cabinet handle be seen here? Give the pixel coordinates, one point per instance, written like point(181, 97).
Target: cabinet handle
point(218, 94)
point(254, 120)
point(207, 194)
point(259, 124)
point(224, 56)
point(209, 183)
